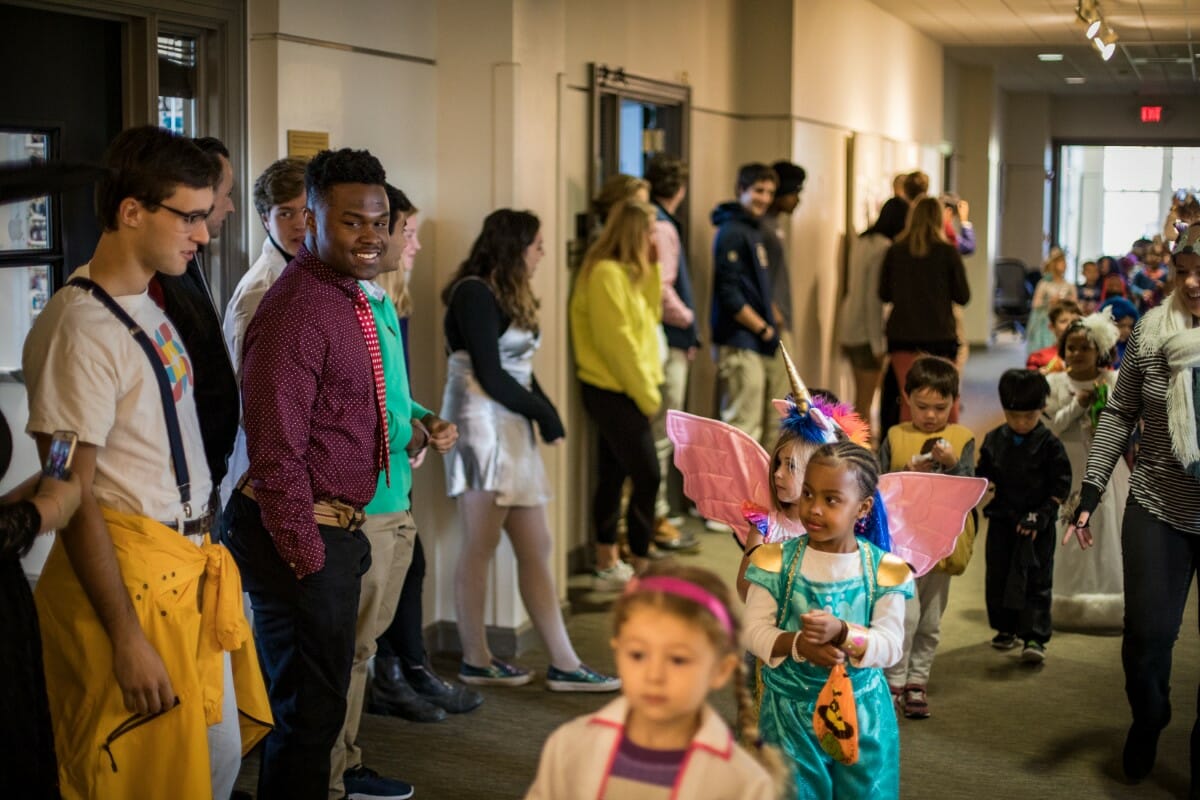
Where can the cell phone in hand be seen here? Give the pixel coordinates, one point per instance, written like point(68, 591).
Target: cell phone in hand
point(62, 452)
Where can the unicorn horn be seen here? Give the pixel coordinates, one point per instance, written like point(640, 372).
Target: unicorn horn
point(800, 393)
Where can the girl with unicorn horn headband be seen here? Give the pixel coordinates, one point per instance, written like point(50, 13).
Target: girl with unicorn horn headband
point(850, 589)
point(731, 478)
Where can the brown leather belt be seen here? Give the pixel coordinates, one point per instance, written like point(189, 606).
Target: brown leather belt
point(193, 527)
point(333, 513)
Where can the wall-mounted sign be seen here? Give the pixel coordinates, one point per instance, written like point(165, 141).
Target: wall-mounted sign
point(1152, 114)
point(306, 144)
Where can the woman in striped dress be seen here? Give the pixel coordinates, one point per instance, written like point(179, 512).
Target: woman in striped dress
point(1161, 530)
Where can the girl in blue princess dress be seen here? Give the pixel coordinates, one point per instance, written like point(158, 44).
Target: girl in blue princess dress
point(832, 596)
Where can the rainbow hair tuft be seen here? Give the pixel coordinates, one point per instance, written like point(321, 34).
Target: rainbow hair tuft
point(857, 429)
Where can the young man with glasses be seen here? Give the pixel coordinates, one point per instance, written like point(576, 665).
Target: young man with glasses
point(141, 688)
point(188, 302)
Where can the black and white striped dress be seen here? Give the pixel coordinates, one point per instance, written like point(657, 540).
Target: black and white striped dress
point(1159, 483)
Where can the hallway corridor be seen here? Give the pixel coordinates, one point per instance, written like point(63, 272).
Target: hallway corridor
point(999, 728)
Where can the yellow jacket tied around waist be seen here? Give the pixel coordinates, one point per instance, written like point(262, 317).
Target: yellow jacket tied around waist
point(188, 600)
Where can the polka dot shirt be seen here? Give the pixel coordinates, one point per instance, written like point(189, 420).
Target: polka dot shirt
point(309, 406)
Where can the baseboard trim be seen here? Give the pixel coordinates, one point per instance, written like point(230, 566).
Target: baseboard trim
point(579, 560)
point(442, 637)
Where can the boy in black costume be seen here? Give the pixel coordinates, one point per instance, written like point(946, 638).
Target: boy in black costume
point(1032, 475)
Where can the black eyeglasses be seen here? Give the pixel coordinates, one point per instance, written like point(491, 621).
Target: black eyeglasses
point(190, 220)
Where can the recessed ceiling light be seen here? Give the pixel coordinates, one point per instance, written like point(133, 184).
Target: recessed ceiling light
point(1076, 79)
point(1055, 56)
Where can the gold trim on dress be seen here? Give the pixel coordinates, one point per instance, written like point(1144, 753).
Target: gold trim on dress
point(768, 557)
point(893, 571)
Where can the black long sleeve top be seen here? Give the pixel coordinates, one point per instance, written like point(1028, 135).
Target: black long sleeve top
point(475, 322)
point(1031, 472)
point(922, 292)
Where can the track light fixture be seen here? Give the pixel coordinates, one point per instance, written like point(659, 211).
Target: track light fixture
point(1089, 13)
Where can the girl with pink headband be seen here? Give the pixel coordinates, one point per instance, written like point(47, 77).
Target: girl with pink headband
point(675, 639)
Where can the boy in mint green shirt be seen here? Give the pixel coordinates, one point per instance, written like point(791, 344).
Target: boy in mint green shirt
point(389, 526)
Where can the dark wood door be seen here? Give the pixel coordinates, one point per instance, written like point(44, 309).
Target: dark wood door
point(61, 74)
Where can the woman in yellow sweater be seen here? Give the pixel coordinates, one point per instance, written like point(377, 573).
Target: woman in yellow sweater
point(615, 323)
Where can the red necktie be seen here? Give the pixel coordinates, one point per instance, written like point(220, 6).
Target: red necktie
point(366, 320)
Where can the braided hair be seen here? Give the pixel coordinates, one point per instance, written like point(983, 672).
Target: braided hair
point(873, 528)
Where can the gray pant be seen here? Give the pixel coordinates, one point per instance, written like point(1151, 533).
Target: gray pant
point(922, 630)
point(674, 396)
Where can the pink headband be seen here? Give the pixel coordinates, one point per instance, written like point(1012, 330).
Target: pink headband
point(686, 589)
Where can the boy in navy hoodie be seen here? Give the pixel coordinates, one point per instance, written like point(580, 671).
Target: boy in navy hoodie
point(750, 371)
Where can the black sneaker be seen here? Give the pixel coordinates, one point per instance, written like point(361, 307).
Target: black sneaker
point(363, 783)
point(1004, 641)
point(1033, 653)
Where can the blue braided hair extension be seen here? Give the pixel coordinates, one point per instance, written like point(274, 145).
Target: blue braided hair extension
point(875, 530)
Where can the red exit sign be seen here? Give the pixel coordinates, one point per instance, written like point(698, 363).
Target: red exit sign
point(1152, 114)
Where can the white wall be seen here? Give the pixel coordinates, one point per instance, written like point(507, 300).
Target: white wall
point(860, 68)
point(502, 119)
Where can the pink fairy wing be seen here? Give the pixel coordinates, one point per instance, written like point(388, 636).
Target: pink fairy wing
point(722, 468)
point(926, 513)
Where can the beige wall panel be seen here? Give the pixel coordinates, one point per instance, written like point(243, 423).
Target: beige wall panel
point(816, 249)
point(395, 26)
point(862, 69)
point(683, 41)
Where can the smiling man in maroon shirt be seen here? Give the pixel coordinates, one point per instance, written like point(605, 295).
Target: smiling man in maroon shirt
point(312, 391)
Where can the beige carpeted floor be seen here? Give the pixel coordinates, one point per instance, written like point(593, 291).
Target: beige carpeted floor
point(999, 729)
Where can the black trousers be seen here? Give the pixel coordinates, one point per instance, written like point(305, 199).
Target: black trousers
point(625, 449)
point(1160, 562)
point(405, 638)
point(1020, 573)
point(305, 629)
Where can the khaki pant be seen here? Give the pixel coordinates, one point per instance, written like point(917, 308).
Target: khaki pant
point(674, 396)
point(748, 382)
point(922, 630)
point(392, 537)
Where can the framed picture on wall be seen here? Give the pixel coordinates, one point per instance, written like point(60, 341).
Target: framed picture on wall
point(25, 225)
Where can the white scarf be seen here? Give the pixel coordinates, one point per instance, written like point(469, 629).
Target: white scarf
point(1168, 328)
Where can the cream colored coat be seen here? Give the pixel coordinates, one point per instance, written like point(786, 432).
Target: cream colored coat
point(577, 757)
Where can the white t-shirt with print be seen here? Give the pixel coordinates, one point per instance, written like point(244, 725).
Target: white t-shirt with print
point(85, 373)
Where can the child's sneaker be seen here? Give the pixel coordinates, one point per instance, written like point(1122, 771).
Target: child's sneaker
point(1004, 641)
point(897, 698)
point(1033, 652)
point(497, 673)
point(584, 679)
point(916, 704)
point(612, 579)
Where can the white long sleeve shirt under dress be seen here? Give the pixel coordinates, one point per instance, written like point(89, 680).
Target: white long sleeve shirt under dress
point(885, 636)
